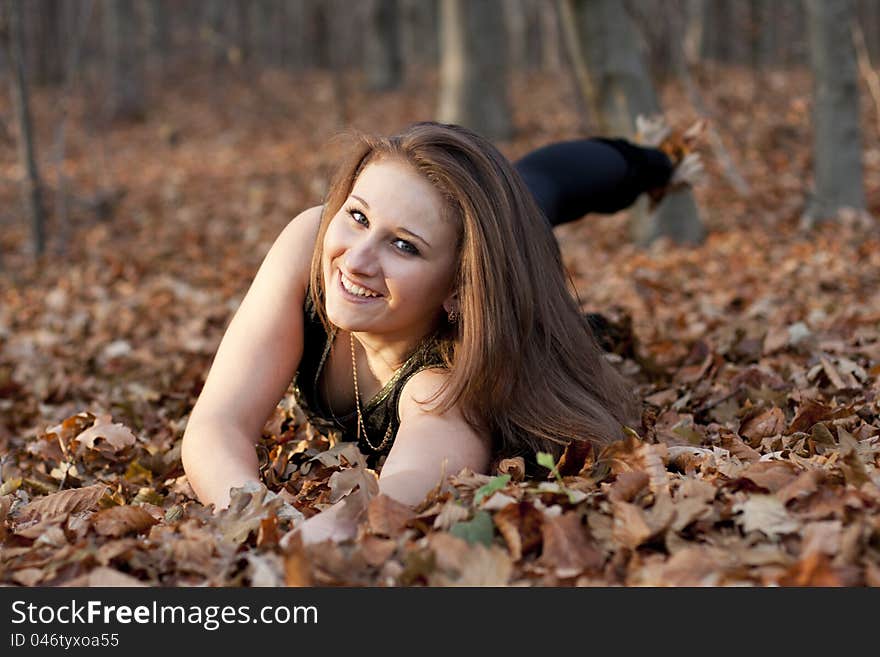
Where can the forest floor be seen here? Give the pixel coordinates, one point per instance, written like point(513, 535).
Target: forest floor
point(757, 354)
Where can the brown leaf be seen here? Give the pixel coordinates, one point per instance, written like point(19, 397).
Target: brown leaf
point(809, 413)
point(63, 502)
point(5, 504)
point(520, 525)
point(451, 513)
point(578, 455)
point(805, 485)
point(267, 535)
point(739, 449)
point(449, 551)
point(815, 569)
point(297, 566)
point(689, 510)
point(248, 506)
point(117, 436)
point(29, 576)
point(35, 528)
point(771, 475)
point(568, 548)
point(832, 374)
point(387, 516)
point(766, 423)
point(515, 467)
point(631, 527)
point(691, 566)
point(119, 520)
point(823, 536)
point(358, 480)
point(653, 462)
point(484, 566)
point(767, 514)
point(105, 577)
point(628, 485)
point(622, 455)
point(377, 550)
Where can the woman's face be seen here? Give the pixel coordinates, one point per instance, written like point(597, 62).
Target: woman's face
point(389, 254)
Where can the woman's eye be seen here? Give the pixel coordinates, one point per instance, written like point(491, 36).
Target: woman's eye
point(358, 216)
point(406, 247)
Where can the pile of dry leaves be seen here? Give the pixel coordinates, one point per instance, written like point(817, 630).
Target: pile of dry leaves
point(757, 355)
point(743, 479)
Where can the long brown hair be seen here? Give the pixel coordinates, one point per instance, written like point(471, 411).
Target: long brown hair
point(524, 365)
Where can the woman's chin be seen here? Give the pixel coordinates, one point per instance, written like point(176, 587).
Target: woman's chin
point(346, 320)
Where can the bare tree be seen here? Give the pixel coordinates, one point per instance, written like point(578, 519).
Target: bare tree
point(624, 90)
point(32, 186)
point(384, 60)
point(611, 45)
point(126, 97)
point(473, 75)
point(837, 136)
point(49, 69)
point(420, 28)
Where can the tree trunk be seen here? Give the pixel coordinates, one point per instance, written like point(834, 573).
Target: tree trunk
point(160, 35)
point(473, 79)
point(420, 28)
point(624, 90)
point(50, 66)
point(384, 61)
point(551, 38)
point(31, 187)
point(837, 139)
point(612, 49)
point(126, 97)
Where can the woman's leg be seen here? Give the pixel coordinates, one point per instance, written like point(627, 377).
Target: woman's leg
point(572, 178)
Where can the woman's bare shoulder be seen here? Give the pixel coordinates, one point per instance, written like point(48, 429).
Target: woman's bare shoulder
point(297, 244)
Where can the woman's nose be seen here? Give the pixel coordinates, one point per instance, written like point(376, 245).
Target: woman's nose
point(361, 257)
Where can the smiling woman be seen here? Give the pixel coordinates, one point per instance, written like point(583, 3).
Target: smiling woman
point(424, 312)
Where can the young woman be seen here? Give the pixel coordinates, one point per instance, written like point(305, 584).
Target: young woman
point(423, 311)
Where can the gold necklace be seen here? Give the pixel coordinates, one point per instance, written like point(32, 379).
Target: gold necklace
point(357, 402)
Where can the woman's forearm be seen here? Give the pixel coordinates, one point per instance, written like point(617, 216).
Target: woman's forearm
point(217, 457)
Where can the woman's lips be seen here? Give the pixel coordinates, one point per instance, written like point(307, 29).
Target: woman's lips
point(353, 297)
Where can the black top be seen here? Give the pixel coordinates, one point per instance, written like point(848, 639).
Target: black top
point(572, 178)
point(380, 414)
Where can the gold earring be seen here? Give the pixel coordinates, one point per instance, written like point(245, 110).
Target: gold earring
point(452, 316)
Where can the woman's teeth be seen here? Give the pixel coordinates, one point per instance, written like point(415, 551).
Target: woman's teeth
point(355, 289)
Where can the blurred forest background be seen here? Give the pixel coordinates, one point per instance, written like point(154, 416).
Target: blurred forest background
point(152, 150)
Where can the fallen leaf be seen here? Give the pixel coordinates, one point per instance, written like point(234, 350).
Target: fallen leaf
point(568, 549)
point(766, 423)
point(805, 485)
point(515, 467)
point(520, 525)
point(387, 516)
point(766, 514)
point(771, 475)
point(117, 436)
point(119, 520)
point(627, 485)
point(63, 502)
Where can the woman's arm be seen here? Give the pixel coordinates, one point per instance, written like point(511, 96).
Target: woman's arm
point(429, 446)
point(254, 364)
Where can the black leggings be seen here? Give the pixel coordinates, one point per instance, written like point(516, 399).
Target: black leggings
point(572, 178)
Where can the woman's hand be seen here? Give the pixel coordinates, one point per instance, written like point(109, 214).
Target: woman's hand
point(338, 523)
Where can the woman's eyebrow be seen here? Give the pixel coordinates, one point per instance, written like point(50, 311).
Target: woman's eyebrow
point(366, 205)
point(399, 228)
point(412, 234)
